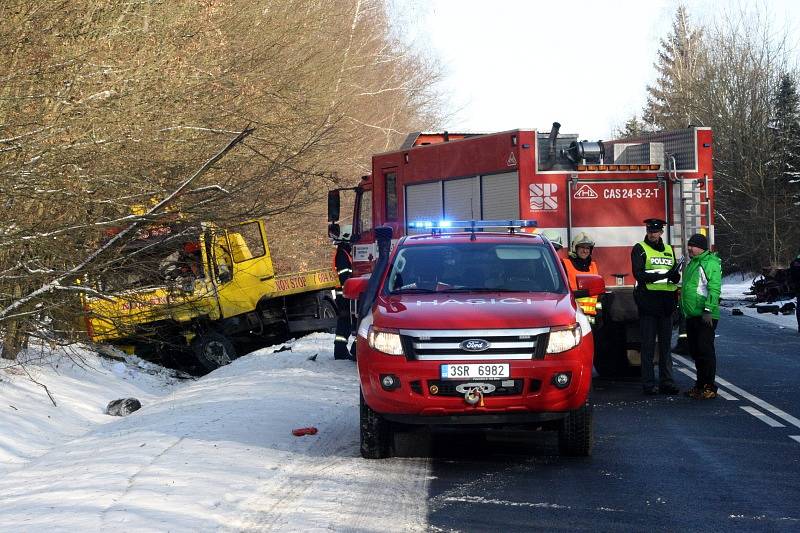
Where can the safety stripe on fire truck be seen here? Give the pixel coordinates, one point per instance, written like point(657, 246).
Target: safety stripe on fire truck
point(611, 236)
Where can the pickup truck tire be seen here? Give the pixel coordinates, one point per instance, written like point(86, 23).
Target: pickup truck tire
point(575, 436)
point(213, 350)
point(376, 433)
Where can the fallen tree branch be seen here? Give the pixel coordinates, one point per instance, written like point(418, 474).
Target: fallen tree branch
point(76, 270)
point(41, 385)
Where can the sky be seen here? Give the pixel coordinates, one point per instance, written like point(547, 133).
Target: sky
point(525, 64)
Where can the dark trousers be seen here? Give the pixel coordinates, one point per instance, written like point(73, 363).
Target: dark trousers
point(343, 329)
point(797, 312)
point(701, 347)
point(650, 328)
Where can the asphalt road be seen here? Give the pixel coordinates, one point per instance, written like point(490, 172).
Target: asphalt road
point(659, 463)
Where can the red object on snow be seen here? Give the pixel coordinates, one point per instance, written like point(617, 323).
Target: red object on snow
point(299, 432)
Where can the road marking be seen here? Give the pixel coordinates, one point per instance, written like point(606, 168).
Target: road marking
point(720, 392)
point(744, 394)
point(771, 422)
point(795, 437)
point(726, 395)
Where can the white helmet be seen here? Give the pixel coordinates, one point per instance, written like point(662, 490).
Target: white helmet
point(554, 236)
point(581, 239)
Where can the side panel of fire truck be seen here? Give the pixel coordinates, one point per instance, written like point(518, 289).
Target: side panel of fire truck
point(666, 175)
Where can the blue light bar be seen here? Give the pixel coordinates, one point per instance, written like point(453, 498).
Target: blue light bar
point(470, 225)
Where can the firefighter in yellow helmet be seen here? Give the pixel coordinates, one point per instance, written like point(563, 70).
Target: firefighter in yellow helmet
point(579, 261)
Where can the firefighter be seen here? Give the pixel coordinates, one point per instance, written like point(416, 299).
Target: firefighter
point(343, 262)
point(579, 261)
point(794, 273)
point(702, 282)
point(554, 237)
point(656, 271)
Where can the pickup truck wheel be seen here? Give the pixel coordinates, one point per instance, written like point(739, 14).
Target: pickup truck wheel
point(376, 433)
point(213, 350)
point(575, 435)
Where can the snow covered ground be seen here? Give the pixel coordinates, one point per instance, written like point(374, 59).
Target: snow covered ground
point(210, 454)
point(216, 453)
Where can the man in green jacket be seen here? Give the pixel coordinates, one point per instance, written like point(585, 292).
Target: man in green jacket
point(702, 282)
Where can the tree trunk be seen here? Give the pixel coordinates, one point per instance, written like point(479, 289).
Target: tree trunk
point(14, 336)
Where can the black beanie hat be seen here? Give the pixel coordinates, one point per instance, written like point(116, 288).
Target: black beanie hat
point(699, 240)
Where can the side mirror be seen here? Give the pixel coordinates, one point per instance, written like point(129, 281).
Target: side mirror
point(589, 285)
point(333, 231)
point(333, 206)
point(355, 287)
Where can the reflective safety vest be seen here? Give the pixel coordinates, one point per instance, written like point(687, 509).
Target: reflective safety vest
point(588, 304)
point(656, 262)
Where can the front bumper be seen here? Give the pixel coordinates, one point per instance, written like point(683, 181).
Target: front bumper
point(419, 398)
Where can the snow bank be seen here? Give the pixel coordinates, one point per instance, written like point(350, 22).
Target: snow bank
point(80, 382)
point(213, 454)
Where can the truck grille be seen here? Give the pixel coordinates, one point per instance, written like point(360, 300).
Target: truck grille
point(449, 345)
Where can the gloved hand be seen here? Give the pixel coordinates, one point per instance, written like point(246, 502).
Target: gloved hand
point(673, 276)
point(707, 320)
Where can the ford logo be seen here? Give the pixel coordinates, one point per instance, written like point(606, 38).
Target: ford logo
point(475, 345)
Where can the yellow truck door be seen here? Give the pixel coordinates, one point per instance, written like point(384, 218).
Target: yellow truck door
point(245, 253)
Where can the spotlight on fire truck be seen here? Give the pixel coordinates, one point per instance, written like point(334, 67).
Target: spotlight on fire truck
point(582, 152)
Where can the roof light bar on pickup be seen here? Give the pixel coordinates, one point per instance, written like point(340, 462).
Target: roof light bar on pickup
point(470, 225)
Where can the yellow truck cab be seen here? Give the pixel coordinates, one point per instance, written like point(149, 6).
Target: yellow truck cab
point(205, 288)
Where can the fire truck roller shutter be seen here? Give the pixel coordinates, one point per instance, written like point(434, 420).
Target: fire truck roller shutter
point(423, 202)
point(462, 199)
point(500, 196)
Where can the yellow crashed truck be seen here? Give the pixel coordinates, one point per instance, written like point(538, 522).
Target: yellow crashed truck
point(202, 291)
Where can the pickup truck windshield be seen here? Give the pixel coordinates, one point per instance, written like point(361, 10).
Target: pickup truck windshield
point(474, 267)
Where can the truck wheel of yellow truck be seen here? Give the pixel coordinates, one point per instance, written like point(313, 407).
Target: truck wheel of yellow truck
point(213, 350)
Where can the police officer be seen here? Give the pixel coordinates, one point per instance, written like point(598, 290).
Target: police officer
point(655, 268)
point(344, 268)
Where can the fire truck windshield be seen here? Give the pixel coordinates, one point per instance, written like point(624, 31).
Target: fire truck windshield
point(474, 267)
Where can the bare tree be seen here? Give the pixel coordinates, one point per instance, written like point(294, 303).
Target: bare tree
point(107, 107)
point(744, 63)
point(724, 76)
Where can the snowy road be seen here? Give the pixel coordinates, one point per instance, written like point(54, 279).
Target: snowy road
point(215, 454)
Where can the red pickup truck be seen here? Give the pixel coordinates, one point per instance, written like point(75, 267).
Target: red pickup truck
point(466, 326)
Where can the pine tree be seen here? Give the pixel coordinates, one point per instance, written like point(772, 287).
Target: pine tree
point(786, 127)
point(784, 167)
point(633, 127)
point(671, 103)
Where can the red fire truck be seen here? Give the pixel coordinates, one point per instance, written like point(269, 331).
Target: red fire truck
point(604, 188)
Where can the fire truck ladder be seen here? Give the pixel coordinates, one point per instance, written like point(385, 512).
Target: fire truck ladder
point(693, 199)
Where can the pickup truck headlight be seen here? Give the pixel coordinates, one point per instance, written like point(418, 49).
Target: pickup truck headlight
point(564, 338)
point(386, 341)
